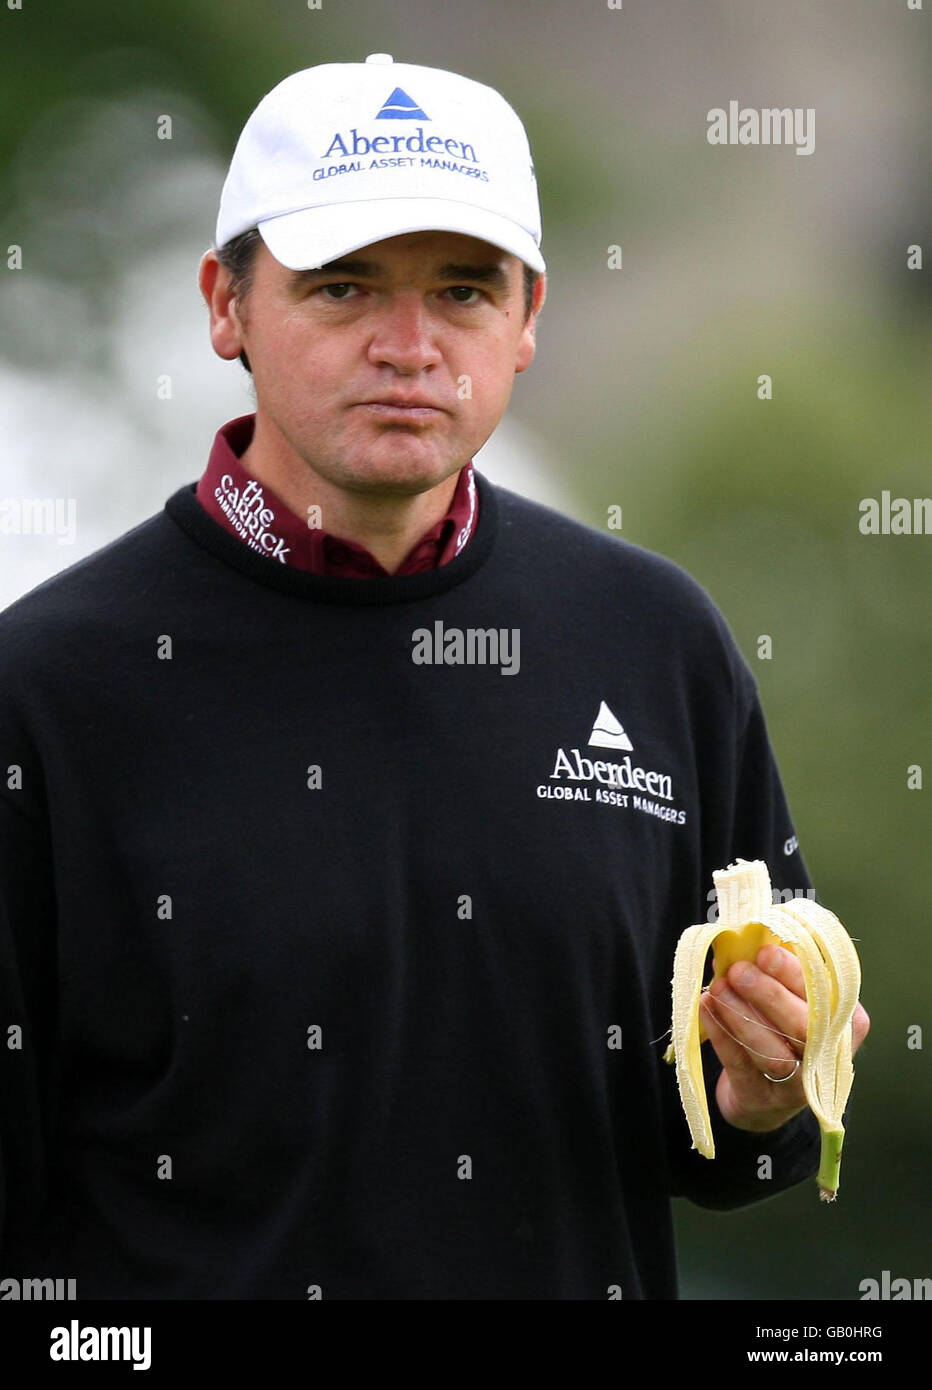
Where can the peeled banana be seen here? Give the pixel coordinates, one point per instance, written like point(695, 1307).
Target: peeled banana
point(748, 920)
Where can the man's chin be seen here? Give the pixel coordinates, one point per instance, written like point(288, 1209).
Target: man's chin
point(401, 477)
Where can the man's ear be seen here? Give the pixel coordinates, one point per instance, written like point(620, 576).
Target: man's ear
point(527, 342)
point(226, 334)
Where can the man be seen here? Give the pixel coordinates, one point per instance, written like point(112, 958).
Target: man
point(353, 805)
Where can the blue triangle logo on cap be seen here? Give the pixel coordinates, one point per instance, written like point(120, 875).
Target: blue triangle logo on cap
point(400, 107)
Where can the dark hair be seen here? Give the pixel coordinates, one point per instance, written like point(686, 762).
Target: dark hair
point(238, 256)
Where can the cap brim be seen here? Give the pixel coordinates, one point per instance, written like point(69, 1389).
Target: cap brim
point(312, 237)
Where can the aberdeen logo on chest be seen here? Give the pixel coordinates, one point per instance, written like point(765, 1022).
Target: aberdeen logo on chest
point(613, 782)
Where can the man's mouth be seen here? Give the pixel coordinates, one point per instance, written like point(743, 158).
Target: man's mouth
point(402, 410)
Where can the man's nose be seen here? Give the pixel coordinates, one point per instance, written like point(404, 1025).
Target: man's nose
point(405, 334)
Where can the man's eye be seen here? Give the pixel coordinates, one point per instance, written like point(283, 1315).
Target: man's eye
point(463, 290)
point(338, 286)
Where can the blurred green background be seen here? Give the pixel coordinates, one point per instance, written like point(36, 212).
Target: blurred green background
point(737, 261)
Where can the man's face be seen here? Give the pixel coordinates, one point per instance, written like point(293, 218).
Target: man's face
point(433, 318)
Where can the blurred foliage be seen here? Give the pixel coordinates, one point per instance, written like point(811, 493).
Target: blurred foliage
point(764, 511)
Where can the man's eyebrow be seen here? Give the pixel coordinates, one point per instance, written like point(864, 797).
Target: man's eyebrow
point(488, 273)
point(367, 269)
point(485, 273)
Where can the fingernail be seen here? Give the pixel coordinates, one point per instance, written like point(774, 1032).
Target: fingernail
point(748, 975)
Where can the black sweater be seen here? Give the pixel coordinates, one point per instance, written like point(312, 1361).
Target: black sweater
point(325, 970)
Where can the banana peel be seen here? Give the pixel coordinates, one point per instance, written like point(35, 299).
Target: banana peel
point(748, 920)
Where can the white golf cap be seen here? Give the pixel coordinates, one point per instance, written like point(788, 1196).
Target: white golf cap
point(341, 155)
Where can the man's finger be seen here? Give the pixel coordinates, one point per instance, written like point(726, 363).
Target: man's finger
point(725, 1039)
point(777, 1005)
point(782, 965)
point(755, 1041)
point(777, 963)
point(743, 1091)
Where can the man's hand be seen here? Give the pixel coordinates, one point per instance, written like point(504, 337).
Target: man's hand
point(747, 1004)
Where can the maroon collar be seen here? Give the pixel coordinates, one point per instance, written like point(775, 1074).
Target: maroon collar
point(251, 510)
